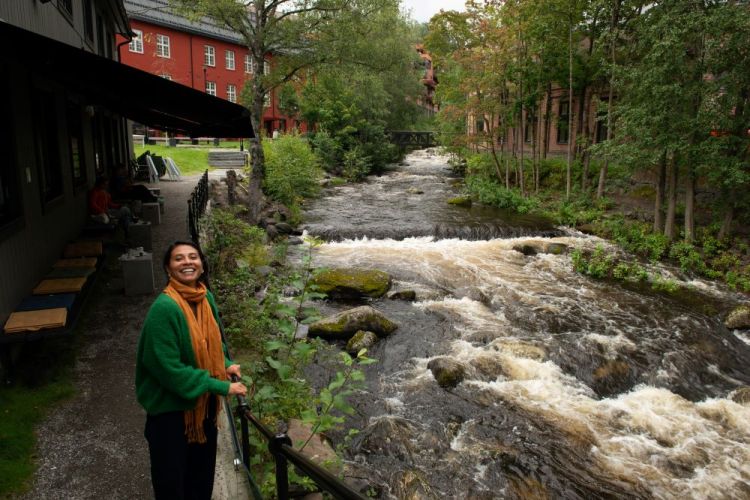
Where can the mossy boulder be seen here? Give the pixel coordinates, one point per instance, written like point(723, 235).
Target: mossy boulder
point(556, 248)
point(447, 372)
point(353, 283)
point(528, 249)
point(461, 201)
point(739, 318)
point(361, 340)
point(346, 323)
point(408, 295)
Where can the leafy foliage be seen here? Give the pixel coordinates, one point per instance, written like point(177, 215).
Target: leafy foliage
point(292, 170)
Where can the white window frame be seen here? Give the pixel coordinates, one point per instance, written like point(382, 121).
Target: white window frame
point(248, 64)
point(211, 88)
point(267, 100)
point(162, 46)
point(266, 67)
point(231, 93)
point(229, 59)
point(209, 55)
point(136, 43)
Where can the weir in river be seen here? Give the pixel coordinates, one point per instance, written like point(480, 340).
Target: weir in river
point(574, 388)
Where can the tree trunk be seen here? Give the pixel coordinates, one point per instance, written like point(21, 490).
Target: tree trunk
point(659, 199)
point(726, 224)
point(569, 169)
point(257, 158)
point(547, 119)
point(690, 206)
point(613, 44)
point(669, 226)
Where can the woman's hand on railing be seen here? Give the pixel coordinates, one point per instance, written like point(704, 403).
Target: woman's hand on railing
point(234, 370)
point(237, 389)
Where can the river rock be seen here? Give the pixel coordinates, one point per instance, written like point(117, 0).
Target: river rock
point(528, 249)
point(556, 248)
point(389, 436)
point(271, 232)
point(473, 293)
point(739, 318)
point(447, 372)
point(741, 395)
point(352, 283)
point(411, 485)
point(361, 340)
point(318, 449)
point(344, 324)
point(461, 201)
point(294, 240)
point(587, 228)
point(408, 295)
point(413, 190)
point(284, 228)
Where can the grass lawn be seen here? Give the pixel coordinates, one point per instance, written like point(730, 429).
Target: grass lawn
point(189, 159)
point(41, 380)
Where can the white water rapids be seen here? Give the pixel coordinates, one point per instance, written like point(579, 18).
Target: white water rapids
point(574, 388)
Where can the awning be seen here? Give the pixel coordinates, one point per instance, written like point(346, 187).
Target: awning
point(135, 94)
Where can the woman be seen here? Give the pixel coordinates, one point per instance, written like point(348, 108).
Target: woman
point(181, 370)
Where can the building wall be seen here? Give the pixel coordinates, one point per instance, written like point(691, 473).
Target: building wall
point(187, 62)
point(33, 236)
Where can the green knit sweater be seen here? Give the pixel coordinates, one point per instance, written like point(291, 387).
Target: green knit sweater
point(166, 374)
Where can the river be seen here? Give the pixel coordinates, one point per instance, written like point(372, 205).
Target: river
point(574, 388)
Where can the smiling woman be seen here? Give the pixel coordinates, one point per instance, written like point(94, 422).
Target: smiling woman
point(181, 371)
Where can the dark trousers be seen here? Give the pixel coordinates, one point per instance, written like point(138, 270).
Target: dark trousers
point(180, 470)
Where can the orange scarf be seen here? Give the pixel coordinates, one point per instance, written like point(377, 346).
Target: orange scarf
point(207, 346)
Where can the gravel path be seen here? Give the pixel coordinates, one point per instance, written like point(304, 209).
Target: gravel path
point(92, 446)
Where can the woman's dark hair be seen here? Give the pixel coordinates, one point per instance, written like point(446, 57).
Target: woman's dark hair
point(168, 256)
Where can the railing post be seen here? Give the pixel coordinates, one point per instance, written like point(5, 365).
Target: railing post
point(282, 474)
point(245, 435)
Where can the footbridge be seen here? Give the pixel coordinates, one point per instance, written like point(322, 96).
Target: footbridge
point(419, 139)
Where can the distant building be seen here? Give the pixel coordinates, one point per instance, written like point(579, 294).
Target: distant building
point(429, 80)
point(198, 54)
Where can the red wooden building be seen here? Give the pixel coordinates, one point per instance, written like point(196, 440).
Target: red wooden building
point(199, 54)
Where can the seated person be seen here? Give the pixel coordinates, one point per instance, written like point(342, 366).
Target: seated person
point(123, 188)
point(102, 208)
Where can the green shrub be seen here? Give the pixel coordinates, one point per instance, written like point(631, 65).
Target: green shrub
point(292, 169)
point(328, 150)
point(356, 165)
point(232, 239)
point(688, 257)
point(491, 192)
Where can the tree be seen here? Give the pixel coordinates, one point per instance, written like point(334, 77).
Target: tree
point(300, 35)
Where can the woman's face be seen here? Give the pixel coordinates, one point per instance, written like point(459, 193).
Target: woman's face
point(185, 265)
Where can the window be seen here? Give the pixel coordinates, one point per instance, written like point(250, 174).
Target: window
point(480, 125)
point(531, 125)
point(88, 20)
point(162, 46)
point(75, 134)
point(209, 56)
point(166, 76)
point(231, 93)
point(136, 44)
point(248, 64)
point(266, 67)
point(267, 100)
point(229, 56)
point(47, 146)
point(562, 122)
point(10, 201)
point(211, 88)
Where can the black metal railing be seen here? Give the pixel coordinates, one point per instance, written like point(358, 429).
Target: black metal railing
point(280, 446)
point(197, 206)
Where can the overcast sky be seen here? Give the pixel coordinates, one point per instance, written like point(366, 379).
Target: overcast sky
point(423, 10)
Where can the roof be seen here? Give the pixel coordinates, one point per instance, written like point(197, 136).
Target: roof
point(135, 94)
point(159, 12)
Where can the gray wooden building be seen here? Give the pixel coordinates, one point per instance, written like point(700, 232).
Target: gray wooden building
point(65, 103)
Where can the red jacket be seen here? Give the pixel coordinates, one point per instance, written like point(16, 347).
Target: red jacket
point(100, 201)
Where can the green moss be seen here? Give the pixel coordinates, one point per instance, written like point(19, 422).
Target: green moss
point(353, 283)
point(461, 201)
